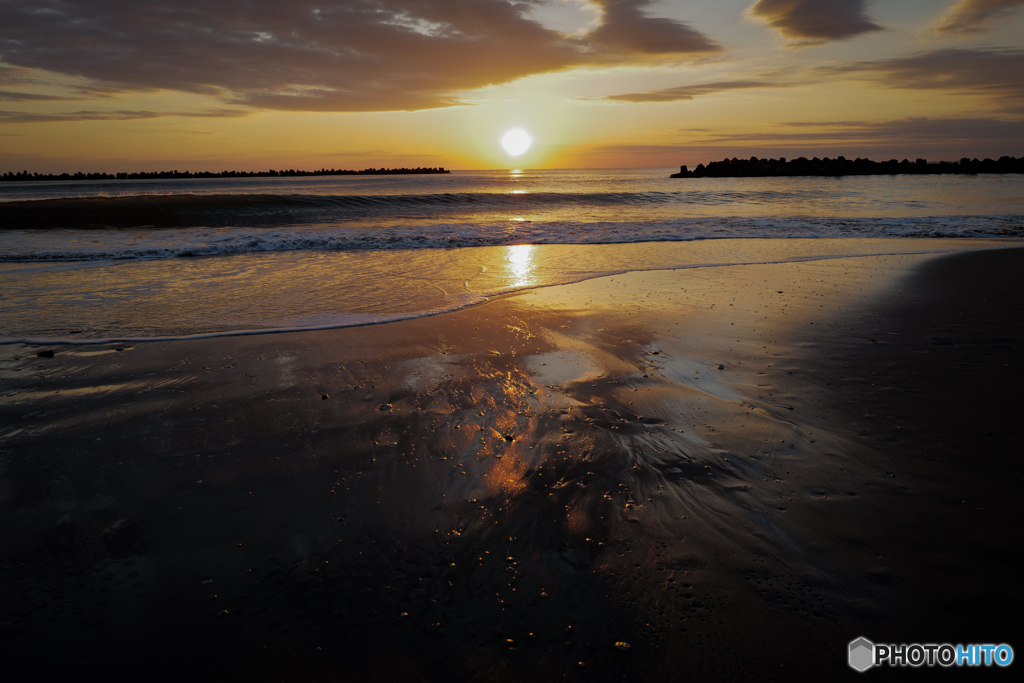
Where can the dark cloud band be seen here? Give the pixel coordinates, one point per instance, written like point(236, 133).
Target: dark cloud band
point(918, 129)
point(933, 138)
point(997, 75)
point(994, 75)
point(123, 115)
point(10, 96)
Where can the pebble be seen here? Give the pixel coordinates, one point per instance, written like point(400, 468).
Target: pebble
point(622, 646)
point(324, 397)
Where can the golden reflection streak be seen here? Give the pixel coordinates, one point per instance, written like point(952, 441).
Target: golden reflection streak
point(520, 264)
point(507, 476)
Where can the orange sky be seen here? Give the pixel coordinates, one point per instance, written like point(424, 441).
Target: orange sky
point(113, 85)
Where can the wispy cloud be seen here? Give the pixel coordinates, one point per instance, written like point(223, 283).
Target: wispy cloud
point(975, 16)
point(916, 130)
point(14, 76)
point(933, 138)
point(10, 96)
point(43, 117)
point(326, 55)
point(688, 92)
point(815, 21)
point(997, 75)
point(994, 75)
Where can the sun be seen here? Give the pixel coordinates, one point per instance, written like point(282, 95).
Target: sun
point(516, 141)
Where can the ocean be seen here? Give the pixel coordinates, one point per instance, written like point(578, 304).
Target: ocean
point(91, 261)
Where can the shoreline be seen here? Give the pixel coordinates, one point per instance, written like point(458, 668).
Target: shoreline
point(513, 273)
point(662, 458)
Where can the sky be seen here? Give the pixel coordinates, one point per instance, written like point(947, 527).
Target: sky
point(133, 85)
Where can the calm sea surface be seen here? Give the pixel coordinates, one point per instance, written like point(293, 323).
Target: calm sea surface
point(151, 259)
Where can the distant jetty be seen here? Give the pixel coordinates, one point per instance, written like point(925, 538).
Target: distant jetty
point(25, 176)
point(841, 166)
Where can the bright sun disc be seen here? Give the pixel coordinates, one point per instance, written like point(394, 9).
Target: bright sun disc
point(516, 142)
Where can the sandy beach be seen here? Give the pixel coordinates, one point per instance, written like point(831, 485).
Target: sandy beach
point(715, 473)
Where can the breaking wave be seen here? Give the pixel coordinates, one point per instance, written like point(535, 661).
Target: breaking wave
point(141, 243)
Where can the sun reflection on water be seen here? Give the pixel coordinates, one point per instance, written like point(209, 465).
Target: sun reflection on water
point(520, 263)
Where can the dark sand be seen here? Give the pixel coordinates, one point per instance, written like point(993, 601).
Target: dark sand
point(507, 491)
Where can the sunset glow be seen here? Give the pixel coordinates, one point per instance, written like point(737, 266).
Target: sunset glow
point(460, 340)
point(602, 83)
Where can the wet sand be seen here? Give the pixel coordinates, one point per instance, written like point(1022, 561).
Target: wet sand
point(733, 470)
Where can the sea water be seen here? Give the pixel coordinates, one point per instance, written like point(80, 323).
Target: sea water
point(95, 260)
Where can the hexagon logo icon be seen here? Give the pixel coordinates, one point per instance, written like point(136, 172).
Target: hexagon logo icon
point(862, 654)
